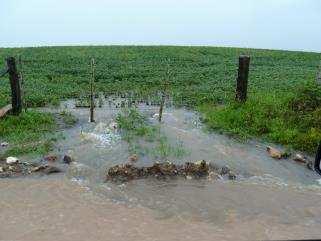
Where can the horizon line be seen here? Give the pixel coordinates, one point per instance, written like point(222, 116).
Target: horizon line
point(154, 45)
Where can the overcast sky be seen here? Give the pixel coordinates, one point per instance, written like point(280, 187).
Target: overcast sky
point(272, 24)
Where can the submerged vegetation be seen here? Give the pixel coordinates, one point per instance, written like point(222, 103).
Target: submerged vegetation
point(68, 118)
point(283, 105)
point(139, 133)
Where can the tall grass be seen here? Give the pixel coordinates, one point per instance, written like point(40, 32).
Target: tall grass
point(292, 119)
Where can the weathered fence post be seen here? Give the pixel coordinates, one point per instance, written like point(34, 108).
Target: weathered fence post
point(164, 91)
point(317, 160)
point(15, 86)
point(242, 78)
point(161, 108)
point(92, 103)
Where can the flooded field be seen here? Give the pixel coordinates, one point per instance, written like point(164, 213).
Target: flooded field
point(270, 199)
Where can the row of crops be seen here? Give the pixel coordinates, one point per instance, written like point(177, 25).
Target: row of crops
point(197, 74)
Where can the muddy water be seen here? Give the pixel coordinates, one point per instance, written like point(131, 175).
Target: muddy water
point(57, 209)
point(269, 200)
point(203, 200)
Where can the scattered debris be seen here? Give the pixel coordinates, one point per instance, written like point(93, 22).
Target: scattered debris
point(189, 170)
point(12, 160)
point(275, 153)
point(12, 167)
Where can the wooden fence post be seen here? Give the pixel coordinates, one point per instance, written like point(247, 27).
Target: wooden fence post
point(92, 102)
point(163, 93)
point(15, 86)
point(161, 108)
point(317, 160)
point(242, 78)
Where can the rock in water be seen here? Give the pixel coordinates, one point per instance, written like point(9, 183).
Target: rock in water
point(274, 153)
point(133, 158)
point(232, 176)
point(68, 159)
point(225, 170)
point(113, 126)
point(4, 144)
point(12, 160)
point(300, 158)
point(50, 158)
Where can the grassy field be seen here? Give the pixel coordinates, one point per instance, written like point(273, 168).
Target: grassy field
point(284, 101)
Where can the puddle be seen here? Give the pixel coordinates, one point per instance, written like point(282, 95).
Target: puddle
point(265, 187)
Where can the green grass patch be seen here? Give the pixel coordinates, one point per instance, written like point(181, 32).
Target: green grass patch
point(31, 132)
point(292, 119)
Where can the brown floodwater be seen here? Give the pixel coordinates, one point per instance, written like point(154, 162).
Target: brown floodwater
point(271, 199)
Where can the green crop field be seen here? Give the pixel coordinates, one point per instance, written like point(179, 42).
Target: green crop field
point(284, 100)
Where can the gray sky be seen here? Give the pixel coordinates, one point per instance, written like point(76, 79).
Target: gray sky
point(272, 24)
